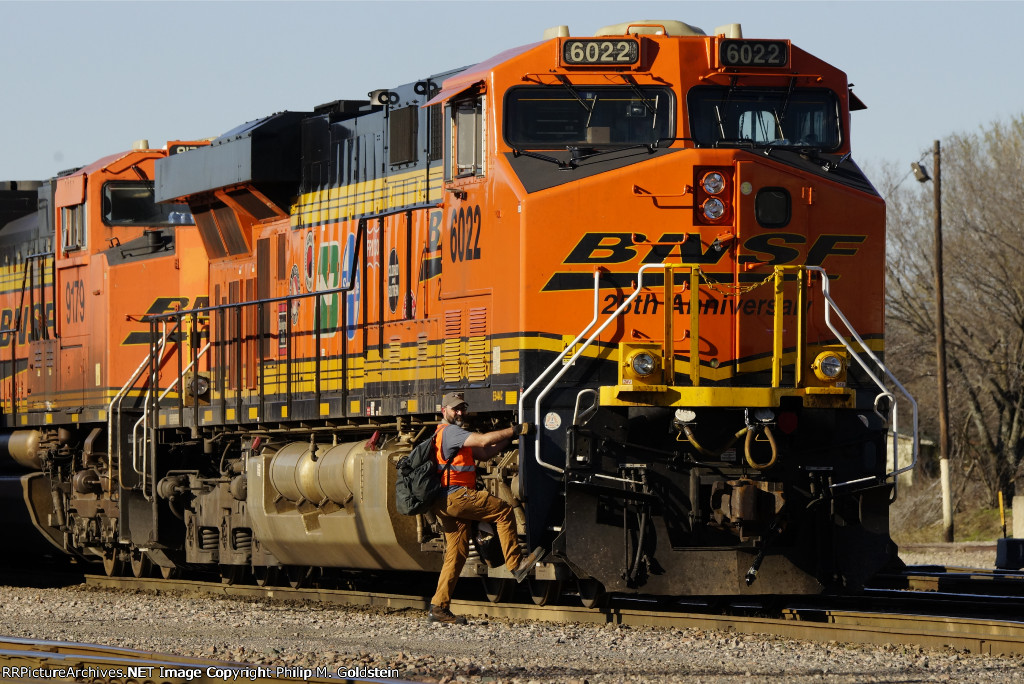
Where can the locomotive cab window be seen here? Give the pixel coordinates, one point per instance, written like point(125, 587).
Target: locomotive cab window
point(566, 115)
point(468, 138)
point(775, 117)
point(132, 203)
point(72, 221)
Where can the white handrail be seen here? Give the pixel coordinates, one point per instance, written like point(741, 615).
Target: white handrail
point(611, 317)
point(552, 366)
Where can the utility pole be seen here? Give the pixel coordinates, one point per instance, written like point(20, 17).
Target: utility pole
point(940, 355)
point(940, 343)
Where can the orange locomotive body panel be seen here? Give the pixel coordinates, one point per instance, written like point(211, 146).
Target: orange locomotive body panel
point(115, 262)
point(103, 275)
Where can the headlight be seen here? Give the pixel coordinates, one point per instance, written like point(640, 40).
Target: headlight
point(714, 208)
point(643, 364)
point(828, 366)
point(713, 183)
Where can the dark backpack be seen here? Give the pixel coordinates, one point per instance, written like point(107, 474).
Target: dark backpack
point(418, 484)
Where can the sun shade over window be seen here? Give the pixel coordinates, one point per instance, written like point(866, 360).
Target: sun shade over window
point(131, 203)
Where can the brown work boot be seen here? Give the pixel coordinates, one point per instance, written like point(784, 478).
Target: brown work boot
point(438, 614)
point(528, 564)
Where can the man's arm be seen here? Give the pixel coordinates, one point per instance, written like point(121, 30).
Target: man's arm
point(487, 445)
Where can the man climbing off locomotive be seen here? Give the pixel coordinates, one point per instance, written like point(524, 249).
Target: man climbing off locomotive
point(458, 450)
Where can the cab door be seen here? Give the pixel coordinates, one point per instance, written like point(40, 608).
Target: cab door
point(73, 322)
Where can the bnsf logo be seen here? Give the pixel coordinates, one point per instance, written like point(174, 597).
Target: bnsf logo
point(28, 314)
point(164, 305)
point(688, 248)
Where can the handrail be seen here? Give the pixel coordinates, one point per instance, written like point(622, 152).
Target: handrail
point(832, 306)
point(551, 383)
point(552, 366)
point(143, 421)
point(113, 442)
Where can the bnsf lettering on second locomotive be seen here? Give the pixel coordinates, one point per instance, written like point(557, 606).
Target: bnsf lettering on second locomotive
point(7, 322)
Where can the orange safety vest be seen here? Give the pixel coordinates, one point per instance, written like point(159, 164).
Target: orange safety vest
point(462, 471)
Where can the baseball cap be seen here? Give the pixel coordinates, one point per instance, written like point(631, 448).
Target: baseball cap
point(453, 399)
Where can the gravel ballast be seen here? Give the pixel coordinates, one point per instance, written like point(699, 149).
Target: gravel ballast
point(486, 650)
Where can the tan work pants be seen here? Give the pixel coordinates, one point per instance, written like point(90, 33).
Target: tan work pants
point(456, 513)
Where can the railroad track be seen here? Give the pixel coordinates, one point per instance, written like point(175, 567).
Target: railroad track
point(807, 618)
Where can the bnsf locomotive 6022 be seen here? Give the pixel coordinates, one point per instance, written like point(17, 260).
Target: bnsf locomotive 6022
point(643, 241)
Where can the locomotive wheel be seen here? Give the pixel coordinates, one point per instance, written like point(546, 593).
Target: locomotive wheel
point(233, 574)
point(498, 589)
point(266, 575)
point(170, 573)
point(592, 594)
point(545, 592)
point(140, 563)
point(299, 576)
point(113, 562)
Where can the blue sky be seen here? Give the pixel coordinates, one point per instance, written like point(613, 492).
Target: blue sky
point(84, 79)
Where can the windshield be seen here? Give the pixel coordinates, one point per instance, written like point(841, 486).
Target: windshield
point(131, 203)
point(773, 117)
point(567, 115)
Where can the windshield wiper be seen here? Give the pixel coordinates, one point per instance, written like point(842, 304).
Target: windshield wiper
point(832, 164)
point(781, 117)
point(578, 154)
point(563, 165)
point(631, 82)
point(723, 105)
point(572, 89)
point(736, 142)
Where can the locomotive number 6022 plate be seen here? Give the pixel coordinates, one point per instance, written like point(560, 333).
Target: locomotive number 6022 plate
point(753, 53)
point(615, 51)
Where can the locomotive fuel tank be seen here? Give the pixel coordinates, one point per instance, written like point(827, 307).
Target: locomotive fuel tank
point(333, 506)
point(22, 447)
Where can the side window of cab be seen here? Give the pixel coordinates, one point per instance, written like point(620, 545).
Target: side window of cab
point(72, 221)
point(467, 134)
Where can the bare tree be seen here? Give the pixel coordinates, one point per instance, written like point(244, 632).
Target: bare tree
point(983, 236)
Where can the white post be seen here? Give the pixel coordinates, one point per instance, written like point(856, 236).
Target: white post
point(947, 501)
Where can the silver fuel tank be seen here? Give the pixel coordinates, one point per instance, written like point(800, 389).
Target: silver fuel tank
point(335, 511)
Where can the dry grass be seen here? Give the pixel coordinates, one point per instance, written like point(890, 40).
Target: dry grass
point(916, 517)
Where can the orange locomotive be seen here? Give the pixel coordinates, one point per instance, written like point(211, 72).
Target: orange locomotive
point(644, 241)
point(83, 268)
